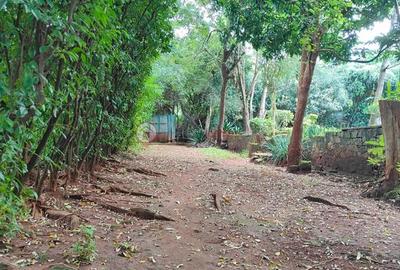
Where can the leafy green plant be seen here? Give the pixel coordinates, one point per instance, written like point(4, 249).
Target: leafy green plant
point(262, 126)
point(376, 151)
point(393, 94)
point(197, 136)
point(79, 93)
point(278, 146)
point(311, 129)
point(232, 128)
point(283, 118)
point(84, 251)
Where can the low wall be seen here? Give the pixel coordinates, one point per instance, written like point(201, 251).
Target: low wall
point(239, 142)
point(345, 151)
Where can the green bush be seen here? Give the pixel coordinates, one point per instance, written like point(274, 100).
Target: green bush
point(261, 126)
point(232, 128)
point(278, 146)
point(197, 136)
point(84, 251)
point(311, 129)
point(283, 118)
point(376, 151)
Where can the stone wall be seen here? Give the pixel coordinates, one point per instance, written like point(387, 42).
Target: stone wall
point(240, 142)
point(345, 151)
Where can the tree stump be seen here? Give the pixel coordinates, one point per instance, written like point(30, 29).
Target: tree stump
point(390, 115)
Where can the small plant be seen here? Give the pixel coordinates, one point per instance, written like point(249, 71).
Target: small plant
point(232, 128)
point(312, 129)
point(197, 136)
point(125, 249)
point(261, 126)
point(393, 94)
point(283, 118)
point(84, 251)
point(278, 146)
point(376, 151)
point(12, 208)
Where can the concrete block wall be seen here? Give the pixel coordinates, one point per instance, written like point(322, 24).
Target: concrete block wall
point(345, 151)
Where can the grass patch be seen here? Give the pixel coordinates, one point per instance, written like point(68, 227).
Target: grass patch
point(218, 153)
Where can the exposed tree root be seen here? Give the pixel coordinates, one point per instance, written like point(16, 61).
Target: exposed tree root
point(71, 219)
point(326, 202)
point(135, 212)
point(145, 171)
point(76, 196)
point(380, 189)
point(123, 191)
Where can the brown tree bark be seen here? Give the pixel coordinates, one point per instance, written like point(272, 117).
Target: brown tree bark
point(225, 77)
point(308, 62)
point(232, 56)
point(390, 115)
point(241, 85)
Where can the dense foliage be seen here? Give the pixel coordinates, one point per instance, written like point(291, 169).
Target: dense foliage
point(73, 86)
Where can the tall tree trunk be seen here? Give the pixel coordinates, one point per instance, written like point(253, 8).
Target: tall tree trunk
point(375, 118)
point(225, 74)
point(273, 111)
point(246, 118)
point(241, 84)
point(208, 120)
point(390, 114)
point(262, 112)
point(253, 87)
point(308, 62)
point(220, 130)
point(224, 85)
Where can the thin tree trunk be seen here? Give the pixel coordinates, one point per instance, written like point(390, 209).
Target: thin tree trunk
point(273, 111)
point(253, 87)
point(262, 112)
point(246, 118)
point(224, 85)
point(241, 84)
point(375, 117)
point(208, 120)
point(220, 130)
point(308, 62)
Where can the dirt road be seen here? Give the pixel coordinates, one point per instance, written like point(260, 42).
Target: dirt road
point(263, 221)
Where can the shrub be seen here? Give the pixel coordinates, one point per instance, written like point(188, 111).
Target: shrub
point(232, 128)
point(278, 146)
point(262, 126)
point(197, 136)
point(85, 249)
point(376, 151)
point(283, 118)
point(311, 129)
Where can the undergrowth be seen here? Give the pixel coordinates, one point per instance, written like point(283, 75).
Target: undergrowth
point(84, 251)
point(218, 153)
